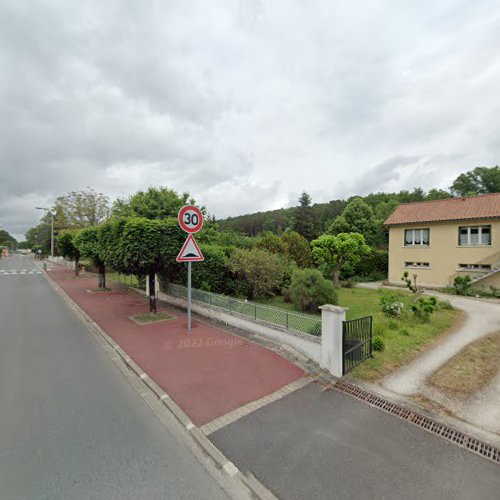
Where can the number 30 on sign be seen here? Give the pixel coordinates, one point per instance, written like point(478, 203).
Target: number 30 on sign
point(190, 219)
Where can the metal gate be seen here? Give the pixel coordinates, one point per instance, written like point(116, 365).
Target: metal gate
point(356, 342)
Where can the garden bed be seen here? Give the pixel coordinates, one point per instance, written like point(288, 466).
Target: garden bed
point(403, 338)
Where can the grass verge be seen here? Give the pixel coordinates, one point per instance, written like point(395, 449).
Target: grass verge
point(471, 370)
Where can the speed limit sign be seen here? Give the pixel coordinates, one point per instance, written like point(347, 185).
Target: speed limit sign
point(190, 219)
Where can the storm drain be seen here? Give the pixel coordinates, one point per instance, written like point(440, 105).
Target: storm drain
point(426, 423)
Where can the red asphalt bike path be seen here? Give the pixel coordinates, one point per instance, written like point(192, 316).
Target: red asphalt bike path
point(208, 373)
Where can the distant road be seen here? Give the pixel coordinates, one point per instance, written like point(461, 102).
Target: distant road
point(71, 425)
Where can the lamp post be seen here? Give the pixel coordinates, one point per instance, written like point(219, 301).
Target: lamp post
point(51, 228)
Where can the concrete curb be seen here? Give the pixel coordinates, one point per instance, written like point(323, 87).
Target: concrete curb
point(254, 487)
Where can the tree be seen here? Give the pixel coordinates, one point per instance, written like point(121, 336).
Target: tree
point(358, 217)
point(68, 249)
point(79, 209)
point(272, 243)
point(155, 203)
point(7, 240)
point(297, 249)
point(88, 243)
point(309, 289)
point(481, 180)
point(333, 252)
point(437, 194)
point(39, 236)
point(304, 221)
point(263, 271)
point(140, 246)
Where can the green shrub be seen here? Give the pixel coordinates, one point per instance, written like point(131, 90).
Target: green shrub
point(445, 304)
point(285, 293)
point(378, 343)
point(424, 307)
point(391, 306)
point(462, 284)
point(309, 289)
point(374, 266)
point(347, 283)
point(405, 331)
point(262, 271)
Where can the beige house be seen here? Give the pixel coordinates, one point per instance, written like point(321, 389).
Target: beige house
point(438, 240)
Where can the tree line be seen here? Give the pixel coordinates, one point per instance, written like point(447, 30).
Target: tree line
point(312, 220)
point(304, 261)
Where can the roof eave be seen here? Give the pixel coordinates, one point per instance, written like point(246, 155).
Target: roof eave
point(440, 220)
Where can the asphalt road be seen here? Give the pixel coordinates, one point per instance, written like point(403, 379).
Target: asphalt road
point(71, 425)
point(327, 445)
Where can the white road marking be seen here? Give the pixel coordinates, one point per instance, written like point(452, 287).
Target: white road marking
point(6, 272)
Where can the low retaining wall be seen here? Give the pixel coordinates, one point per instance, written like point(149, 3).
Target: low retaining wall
point(307, 345)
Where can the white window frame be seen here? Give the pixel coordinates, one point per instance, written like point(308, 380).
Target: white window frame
point(417, 265)
point(469, 236)
point(421, 244)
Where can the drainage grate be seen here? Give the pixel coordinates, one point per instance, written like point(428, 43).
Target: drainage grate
point(426, 423)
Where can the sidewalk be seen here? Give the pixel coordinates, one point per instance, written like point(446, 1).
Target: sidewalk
point(208, 374)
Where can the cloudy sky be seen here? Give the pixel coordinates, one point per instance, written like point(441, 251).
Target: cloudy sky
point(243, 103)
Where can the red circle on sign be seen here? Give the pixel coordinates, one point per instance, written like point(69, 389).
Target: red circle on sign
point(190, 219)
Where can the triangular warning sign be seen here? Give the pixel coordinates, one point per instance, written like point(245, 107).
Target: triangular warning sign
point(190, 252)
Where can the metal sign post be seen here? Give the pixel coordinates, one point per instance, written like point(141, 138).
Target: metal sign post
point(191, 220)
point(189, 300)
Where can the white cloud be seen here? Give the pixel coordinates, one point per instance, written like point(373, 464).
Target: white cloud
point(243, 103)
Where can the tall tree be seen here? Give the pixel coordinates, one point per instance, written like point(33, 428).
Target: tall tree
point(88, 244)
point(358, 217)
point(297, 249)
point(67, 248)
point(155, 203)
point(437, 194)
point(141, 246)
point(79, 209)
point(39, 236)
point(481, 180)
point(332, 253)
point(7, 239)
point(304, 221)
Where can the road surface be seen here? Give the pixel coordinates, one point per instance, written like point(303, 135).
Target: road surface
point(325, 444)
point(71, 425)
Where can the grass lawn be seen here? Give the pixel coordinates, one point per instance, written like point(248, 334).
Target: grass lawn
point(471, 370)
point(403, 338)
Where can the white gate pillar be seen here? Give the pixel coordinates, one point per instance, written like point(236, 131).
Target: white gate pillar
point(331, 338)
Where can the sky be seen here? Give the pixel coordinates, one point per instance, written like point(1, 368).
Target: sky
point(245, 103)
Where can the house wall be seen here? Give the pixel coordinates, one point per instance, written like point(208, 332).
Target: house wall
point(443, 254)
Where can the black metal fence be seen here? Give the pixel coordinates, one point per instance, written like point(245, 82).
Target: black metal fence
point(356, 342)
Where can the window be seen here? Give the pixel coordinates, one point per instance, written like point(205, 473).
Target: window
point(474, 267)
point(415, 237)
point(474, 235)
point(416, 264)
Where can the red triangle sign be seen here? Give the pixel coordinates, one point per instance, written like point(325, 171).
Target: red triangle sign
point(190, 251)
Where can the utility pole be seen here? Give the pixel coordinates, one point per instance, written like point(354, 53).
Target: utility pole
point(51, 228)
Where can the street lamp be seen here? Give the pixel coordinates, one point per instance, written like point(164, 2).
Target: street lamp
point(51, 228)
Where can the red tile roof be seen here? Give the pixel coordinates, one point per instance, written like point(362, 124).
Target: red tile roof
point(486, 206)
